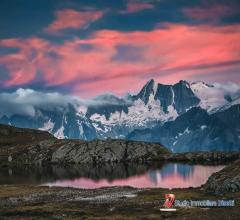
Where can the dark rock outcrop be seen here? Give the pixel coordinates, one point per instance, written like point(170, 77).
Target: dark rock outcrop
point(225, 181)
point(37, 147)
point(98, 151)
point(203, 157)
point(10, 135)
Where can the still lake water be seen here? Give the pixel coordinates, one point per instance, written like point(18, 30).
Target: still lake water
point(168, 175)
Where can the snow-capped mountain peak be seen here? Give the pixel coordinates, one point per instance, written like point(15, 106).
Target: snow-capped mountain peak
point(214, 96)
point(150, 88)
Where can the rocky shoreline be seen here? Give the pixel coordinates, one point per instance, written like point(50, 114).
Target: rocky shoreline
point(203, 157)
point(55, 151)
point(225, 181)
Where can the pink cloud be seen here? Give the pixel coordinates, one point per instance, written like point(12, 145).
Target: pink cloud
point(23, 65)
point(69, 18)
point(135, 6)
point(170, 54)
point(213, 13)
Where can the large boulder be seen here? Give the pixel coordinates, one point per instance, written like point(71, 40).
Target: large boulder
point(99, 151)
point(224, 181)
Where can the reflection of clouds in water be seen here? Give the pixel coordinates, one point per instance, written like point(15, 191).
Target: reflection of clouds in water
point(10, 172)
point(170, 176)
point(184, 170)
point(153, 176)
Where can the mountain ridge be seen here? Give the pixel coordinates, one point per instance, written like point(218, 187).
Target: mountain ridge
point(196, 130)
point(109, 116)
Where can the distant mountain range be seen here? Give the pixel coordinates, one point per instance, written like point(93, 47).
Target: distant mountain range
point(184, 117)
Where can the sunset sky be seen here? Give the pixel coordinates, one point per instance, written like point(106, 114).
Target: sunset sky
point(89, 47)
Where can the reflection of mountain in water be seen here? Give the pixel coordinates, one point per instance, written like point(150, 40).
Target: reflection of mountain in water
point(42, 174)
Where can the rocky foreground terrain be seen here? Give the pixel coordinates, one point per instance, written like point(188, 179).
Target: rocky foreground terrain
point(37, 202)
point(225, 181)
point(20, 147)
